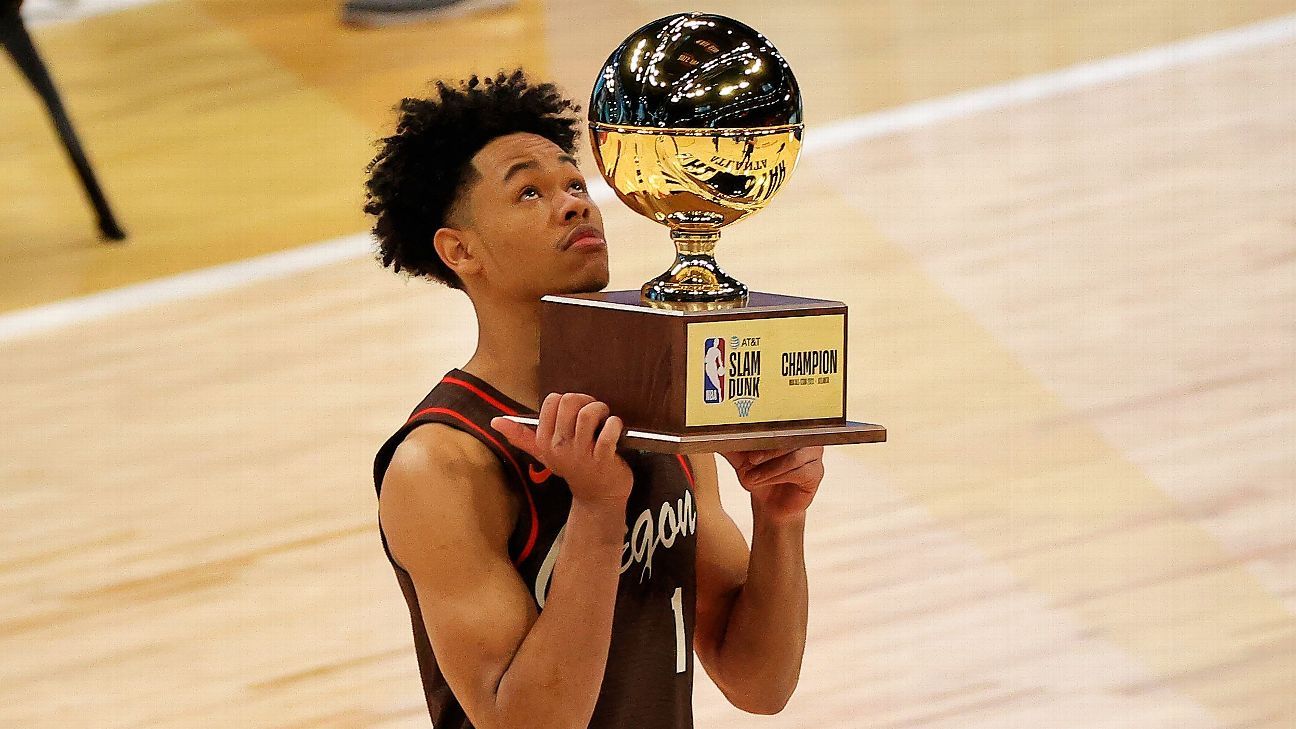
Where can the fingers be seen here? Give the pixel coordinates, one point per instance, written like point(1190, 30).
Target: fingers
point(737, 459)
point(755, 458)
point(805, 474)
point(548, 415)
point(576, 438)
point(804, 479)
point(588, 421)
point(569, 406)
point(521, 436)
point(606, 445)
point(779, 469)
point(746, 459)
point(742, 460)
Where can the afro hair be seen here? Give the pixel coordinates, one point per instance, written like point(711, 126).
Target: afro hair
point(423, 167)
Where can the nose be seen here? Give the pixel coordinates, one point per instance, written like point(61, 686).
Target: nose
point(575, 207)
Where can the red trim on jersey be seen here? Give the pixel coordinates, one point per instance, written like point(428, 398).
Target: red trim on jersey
point(535, 517)
point(688, 472)
point(478, 391)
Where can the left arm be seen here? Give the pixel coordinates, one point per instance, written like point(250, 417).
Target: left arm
point(752, 607)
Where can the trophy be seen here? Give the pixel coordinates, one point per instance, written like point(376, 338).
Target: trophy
point(696, 123)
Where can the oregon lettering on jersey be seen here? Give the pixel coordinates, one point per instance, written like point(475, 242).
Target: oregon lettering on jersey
point(649, 676)
point(673, 521)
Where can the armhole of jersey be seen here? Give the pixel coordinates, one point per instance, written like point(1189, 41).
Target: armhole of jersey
point(688, 470)
point(382, 535)
point(460, 422)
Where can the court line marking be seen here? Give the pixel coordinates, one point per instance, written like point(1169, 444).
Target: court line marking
point(35, 320)
point(191, 284)
point(42, 13)
point(1054, 83)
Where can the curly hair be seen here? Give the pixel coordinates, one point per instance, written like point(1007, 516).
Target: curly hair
point(421, 170)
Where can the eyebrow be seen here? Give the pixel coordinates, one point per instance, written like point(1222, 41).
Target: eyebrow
point(531, 165)
point(518, 168)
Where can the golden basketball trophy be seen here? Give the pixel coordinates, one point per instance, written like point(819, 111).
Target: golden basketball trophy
point(696, 123)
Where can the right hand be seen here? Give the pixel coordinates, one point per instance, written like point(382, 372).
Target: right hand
point(565, 442)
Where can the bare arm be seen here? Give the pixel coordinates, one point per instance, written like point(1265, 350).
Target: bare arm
point(447, 514)
point(752, 607)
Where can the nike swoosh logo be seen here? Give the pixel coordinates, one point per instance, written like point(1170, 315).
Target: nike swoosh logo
point(538, 477)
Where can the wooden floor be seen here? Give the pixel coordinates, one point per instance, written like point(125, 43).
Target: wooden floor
point(227, 128)
point(1076, 316)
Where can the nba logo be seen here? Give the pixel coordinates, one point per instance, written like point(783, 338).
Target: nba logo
point(713, 390)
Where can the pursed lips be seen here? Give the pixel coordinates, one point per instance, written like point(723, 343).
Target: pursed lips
point(584, 236)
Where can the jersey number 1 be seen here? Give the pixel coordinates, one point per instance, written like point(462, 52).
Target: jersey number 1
point(677, 607)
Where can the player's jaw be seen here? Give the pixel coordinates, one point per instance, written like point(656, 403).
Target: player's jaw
point(582, 258)
point(585, 264)
point(566, 259)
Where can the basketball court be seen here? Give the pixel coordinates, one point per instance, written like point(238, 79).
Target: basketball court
point(1066, 233)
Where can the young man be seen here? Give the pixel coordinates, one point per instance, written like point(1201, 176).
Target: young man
point(552, 579)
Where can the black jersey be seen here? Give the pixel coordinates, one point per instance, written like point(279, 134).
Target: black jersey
point(649, 676)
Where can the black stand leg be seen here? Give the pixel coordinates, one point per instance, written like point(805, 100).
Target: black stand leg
point(14, 37)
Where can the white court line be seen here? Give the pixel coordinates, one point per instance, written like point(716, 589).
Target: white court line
point(40, 13)
point(1053, 83)
point(38, 319)
point(193, 284)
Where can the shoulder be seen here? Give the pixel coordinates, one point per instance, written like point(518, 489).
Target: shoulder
point(434, 448)
point(443, 481)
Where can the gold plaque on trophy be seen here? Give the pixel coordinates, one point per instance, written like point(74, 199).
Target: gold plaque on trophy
point(765, 370)
point(696, 123)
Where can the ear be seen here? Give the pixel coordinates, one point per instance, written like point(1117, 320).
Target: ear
point(458, 250)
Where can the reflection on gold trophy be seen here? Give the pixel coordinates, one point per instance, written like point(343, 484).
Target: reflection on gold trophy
point(696, 123)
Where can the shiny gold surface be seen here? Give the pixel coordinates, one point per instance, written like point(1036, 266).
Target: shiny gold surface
point(695, 185)
point(695, 121)
point(667, 176)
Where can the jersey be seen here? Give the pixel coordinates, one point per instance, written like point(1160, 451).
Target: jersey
point(649, 676)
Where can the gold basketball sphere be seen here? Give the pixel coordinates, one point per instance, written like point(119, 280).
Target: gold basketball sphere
point(696, 123)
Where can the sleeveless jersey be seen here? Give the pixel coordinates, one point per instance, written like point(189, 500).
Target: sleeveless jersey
point(649, 676)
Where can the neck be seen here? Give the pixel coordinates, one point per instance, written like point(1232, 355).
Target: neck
point(508, 348)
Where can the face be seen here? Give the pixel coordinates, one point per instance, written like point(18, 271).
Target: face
point(526, 226)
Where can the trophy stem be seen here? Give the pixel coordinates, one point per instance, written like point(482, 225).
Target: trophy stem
point(695, 280)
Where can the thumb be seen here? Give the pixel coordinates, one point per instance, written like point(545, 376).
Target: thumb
point(521, 436)
point(737, 459)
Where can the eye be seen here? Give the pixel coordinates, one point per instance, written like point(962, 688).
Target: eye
point(578, 186)
point(529, 193)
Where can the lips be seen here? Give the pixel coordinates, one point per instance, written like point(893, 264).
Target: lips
point(584, 237)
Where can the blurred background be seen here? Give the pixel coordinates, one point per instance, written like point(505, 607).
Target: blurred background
point(1066, 232)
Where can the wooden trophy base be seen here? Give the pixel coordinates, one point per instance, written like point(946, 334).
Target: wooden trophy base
point(850, 432)
point(767, 375)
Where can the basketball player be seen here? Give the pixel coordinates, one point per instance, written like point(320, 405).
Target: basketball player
point(552, 579)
